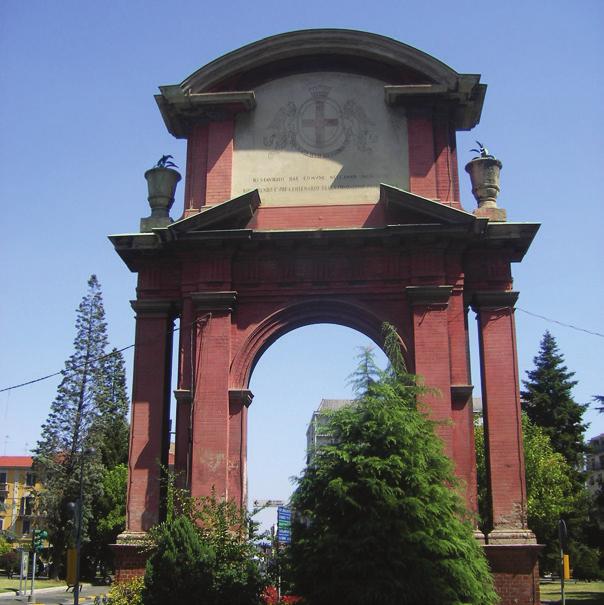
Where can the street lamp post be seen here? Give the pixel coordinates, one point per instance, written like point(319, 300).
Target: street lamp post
point(78, 509)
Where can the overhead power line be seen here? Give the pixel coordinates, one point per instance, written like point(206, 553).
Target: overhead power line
point(42, 378)
point(560, 323)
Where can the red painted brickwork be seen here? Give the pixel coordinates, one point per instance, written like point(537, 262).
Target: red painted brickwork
point(432, 362)
point(220, 161)
point(324, 217)
point(197, 165)
point(422, 170)
point(447, 190)
point(237, 449)
point(130, 562)
point(515, 573)
point(150, 410)
point(501, 401)
point(209, 468)
point(464, 452)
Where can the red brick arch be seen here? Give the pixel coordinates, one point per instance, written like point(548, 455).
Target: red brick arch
point(297, 315)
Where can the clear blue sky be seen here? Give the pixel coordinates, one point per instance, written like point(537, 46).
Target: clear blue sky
point(79, 126)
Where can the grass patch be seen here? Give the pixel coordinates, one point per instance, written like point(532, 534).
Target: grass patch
point(7, 585)
point(577, 593)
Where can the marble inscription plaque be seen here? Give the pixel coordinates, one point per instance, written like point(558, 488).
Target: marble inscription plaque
point(320, 138)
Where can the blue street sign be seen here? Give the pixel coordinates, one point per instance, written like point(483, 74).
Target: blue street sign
point(284, 535)
point(284, 513)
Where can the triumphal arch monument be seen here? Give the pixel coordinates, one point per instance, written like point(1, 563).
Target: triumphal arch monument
point(322, 185)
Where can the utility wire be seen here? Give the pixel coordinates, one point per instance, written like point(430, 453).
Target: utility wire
point(24, 384)
point(560, 323)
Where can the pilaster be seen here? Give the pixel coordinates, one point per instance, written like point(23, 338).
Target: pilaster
point(502, 416)
point(431, 345)
point(210, 392)
point(149, 433)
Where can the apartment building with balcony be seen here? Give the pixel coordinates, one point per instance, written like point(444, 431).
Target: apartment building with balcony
point(18, 484)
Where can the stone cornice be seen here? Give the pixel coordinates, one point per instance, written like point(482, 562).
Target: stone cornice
point(496, 299)
point(429, 295)
point(214, 301)
point(242, 396)
point(151, 306)
point(180, 110)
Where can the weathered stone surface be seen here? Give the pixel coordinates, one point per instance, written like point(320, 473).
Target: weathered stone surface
point(320, 138)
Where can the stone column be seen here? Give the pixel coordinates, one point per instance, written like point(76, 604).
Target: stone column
point(186, 353)
point(464, 452)
point(239, 402)
point(502, 417)
point(210, 393)
point(183, 437)
point(431, 347)
point(149, 433)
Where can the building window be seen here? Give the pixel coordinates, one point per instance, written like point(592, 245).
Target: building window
point(1, 523)
point(26, 505)
point(3, 477)
point(30, 479)
point(26, 526)
point(2, 504)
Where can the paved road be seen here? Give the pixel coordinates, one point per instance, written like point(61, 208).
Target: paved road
point(59, 596)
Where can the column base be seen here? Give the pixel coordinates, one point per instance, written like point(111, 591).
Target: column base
point(511, 536)
point(131, 554)
point(515, 572)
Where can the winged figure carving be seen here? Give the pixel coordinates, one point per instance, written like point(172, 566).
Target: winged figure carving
point(282, 129)
point(358, 126)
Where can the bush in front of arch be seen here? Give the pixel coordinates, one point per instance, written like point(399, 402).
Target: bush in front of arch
point(378, 519)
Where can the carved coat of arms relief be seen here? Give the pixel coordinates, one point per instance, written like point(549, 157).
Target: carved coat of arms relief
point(321, 126)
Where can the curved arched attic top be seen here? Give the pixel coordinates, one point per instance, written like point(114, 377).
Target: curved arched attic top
point(227, 83)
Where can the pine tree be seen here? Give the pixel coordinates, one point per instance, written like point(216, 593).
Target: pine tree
point(378, 518)
point(548, 402)
point(112, 402)
point(69, 432)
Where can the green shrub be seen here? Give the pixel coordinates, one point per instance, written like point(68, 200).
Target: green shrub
point(127, 593)
point(180, 568)
point(9, 561)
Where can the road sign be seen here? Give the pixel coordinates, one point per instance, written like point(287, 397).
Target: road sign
point(284, 522)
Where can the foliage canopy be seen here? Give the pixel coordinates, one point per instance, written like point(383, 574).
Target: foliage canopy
point(378, 517)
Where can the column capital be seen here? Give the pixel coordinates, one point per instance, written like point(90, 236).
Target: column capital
point(183, 396)
point(428, 295)
point(243, 396)
point(493, 299)
point(158, 307)
point(461, 392)
point(214, 301)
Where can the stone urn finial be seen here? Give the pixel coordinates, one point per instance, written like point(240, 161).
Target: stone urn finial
point(161, 182)
point(484, 173)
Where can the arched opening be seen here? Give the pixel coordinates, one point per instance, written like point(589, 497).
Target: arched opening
point(289, 380)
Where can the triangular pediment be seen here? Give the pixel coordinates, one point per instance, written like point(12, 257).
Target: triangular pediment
point(232, 214)
point(413, 208)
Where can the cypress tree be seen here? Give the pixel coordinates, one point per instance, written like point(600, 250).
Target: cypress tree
point(378, 518)
point(69, 431)
point(548, 402)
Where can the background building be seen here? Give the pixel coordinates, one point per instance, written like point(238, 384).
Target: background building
point(316, 435)
point(18, 485)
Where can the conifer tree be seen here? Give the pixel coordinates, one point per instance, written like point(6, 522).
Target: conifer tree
point(69, 432)
point(378, 519)
point(548, 402)
point(112, 402)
